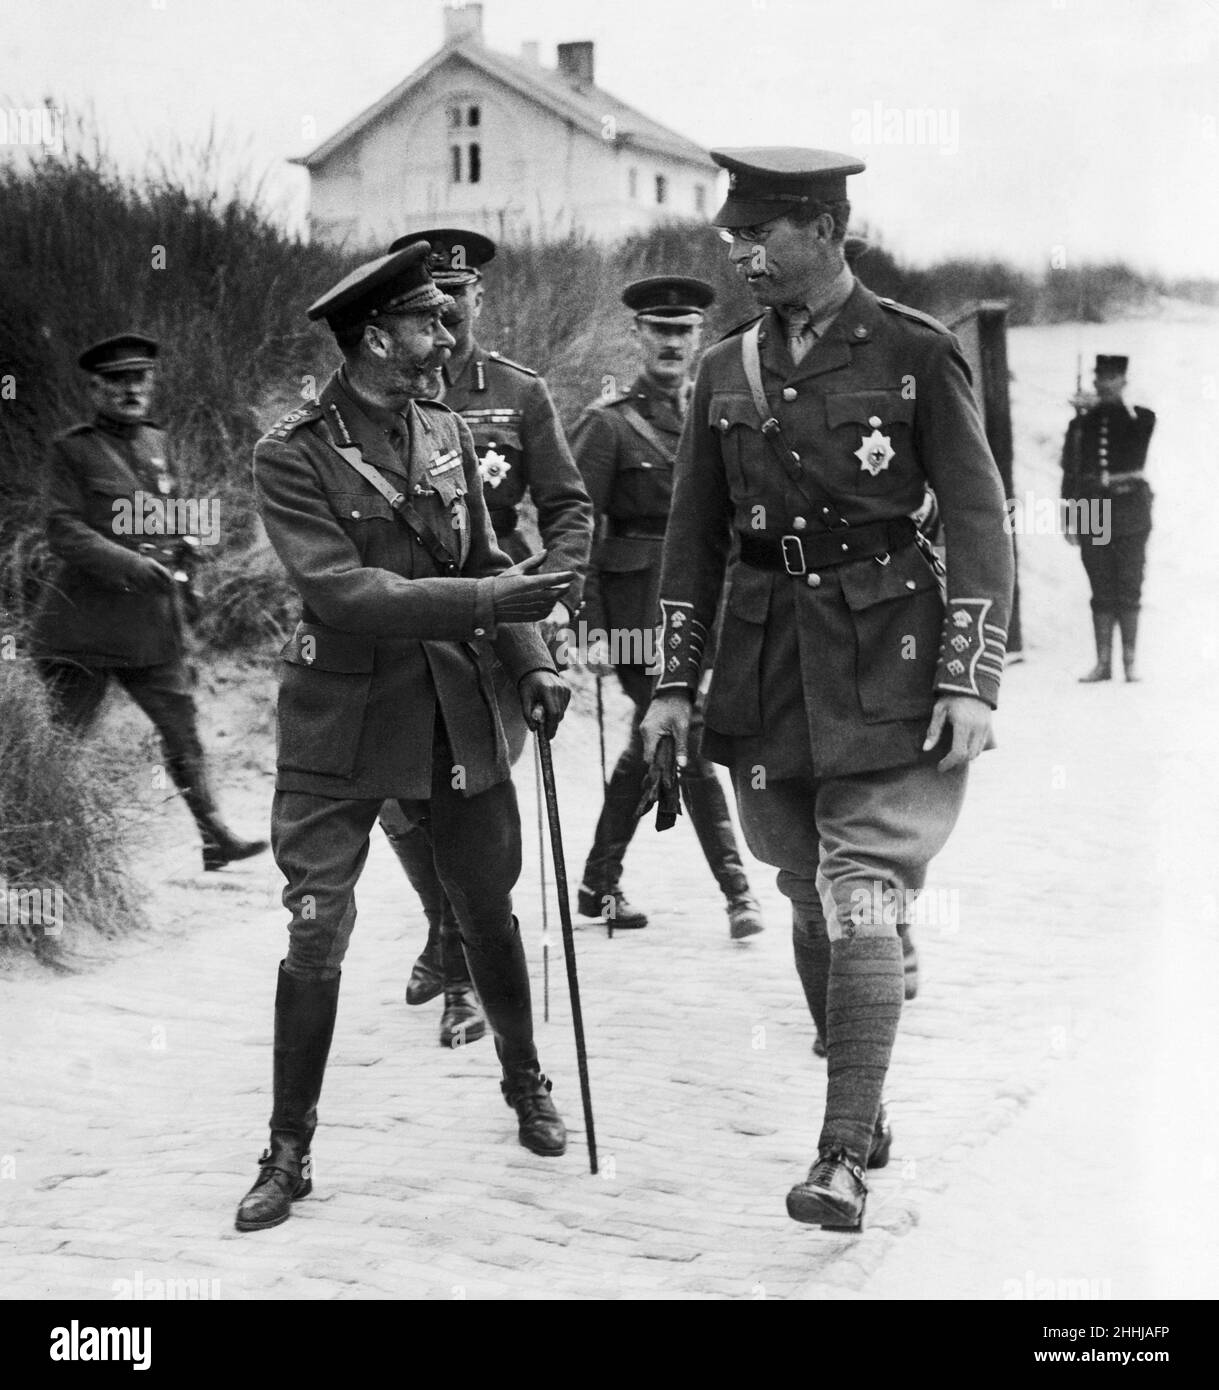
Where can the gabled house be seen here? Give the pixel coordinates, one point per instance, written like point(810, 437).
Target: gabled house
point(505, 146)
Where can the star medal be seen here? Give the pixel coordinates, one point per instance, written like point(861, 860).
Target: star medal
point(493, 467)
point(875, 452)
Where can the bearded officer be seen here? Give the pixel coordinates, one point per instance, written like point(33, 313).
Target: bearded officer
point(1103, 460)
point(625, 446)
point(113, 609)
point(522, 453)
point(848, 698)
point(372, 499)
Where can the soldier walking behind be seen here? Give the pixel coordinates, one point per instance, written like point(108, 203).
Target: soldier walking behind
point(521, 451)
point(372, 499)
point(625, 446)
point(1102, 467)
point(847, 698)
point(113, 608)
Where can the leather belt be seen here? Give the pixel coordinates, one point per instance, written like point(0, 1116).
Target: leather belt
point(801, 554)
point(504, 520)
point(651, 528)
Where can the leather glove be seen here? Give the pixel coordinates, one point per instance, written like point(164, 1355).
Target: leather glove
point(660, 788)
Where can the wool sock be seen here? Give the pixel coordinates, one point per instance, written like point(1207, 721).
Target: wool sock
point(863, 1008)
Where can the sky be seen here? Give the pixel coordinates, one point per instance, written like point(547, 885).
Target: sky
point(1069, 130)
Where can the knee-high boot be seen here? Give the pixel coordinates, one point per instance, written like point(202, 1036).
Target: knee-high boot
point(187, 767)
point(615, 830)
point(1102, 629)
point(304, 1025)
point(1128, 623)
point(708, 808)
point(428, 977)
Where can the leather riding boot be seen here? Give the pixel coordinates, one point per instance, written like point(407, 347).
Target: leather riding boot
point(463, 1020)
point(414, 851)
point(1128, 622)
point(304, 1025)
point(615, 830)
point(189, 771)
point(501, 977)
point(539, 1126)
point(708, 808)
point(1102, 628)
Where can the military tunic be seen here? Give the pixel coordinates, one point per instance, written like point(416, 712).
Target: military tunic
point(521, 450)
point(835, 672)
point(89, 612)
point(1103, 459)
point(388, 636)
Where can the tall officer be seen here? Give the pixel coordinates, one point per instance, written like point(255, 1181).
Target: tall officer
point(848, 697)
point(113, 609)
point(625, 446)
point(521, 451)
point(372, 499)
point(1102, 466)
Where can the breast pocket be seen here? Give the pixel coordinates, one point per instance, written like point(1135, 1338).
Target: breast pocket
point(323, 694)
point(898, 617)
point(743, 446)
point(871, 437)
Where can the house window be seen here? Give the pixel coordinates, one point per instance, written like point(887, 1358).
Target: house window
point(473, 116)
point(475, 164)
point(662, 188)
point(465, 154)
point(632, 183)
point(454, 163)
point(700, 198)
point(453, 117)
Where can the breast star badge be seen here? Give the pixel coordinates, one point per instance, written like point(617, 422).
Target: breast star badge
point(493, 467)
point(875, 452)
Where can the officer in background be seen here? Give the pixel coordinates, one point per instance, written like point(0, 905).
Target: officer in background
point(372, 499)
point(1103, 460)
point(521, 451)
point(625, 446)
point(847, 698)
point(113, 608)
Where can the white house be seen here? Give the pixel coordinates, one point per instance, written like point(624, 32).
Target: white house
point(505, 146)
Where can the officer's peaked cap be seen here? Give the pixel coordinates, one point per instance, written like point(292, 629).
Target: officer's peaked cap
point(767, 181)
point(124, 352)
point(399, 283)
point(456, 258)
point(672, 299)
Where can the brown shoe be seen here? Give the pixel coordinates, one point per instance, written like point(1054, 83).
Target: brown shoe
point(834, 1194)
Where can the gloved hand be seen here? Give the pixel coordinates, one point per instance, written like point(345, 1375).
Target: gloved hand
point(660, 787)
point(520, 596)
point(149, 576)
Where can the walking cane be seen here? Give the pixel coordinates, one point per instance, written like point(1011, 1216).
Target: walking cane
point(569, 945)
point(537, 783)
point(609, 921)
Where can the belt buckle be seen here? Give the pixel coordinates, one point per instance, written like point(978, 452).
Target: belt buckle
point(793, 549)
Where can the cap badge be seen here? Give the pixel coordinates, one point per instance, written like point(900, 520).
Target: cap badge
point(875, 451)
point(493, 467)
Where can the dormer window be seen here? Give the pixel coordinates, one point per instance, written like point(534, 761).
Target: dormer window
point(465, 154)
point(662, 189)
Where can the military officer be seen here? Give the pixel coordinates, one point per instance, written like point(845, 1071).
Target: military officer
point(848, 697)
point(372, 499)
point(113, 608)
point(625, 445)
point(521, 451)
point(1103, 460)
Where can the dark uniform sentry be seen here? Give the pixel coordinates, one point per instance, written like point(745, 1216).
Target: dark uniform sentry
point(97, 620)
point(1103, 461)
point(835, 640)
point(628, 470)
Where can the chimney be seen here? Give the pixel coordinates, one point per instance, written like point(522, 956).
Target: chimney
point(576, 63)
point(462, 22)
point(529, 52)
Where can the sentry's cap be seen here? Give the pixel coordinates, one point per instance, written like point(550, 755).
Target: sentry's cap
point(679, 300)
point(1111, 366)
point(456, 257)
point(125, 352)
point(767, 181)
point(395, 284)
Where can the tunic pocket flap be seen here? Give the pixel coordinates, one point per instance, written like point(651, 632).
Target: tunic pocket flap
point(360, 506)
point(326, 649)
point(498, 437)
point(749, 595)
point(859, 407)
point(726, 411)
point(624, 554)
point(868, 582)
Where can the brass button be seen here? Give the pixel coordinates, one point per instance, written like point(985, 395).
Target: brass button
point(813, 581)
point(861, 331)
point(355, 512)
point(480, 632)
point(790, 393)
point(723, 422)
point(798, 523)
point(909, 583)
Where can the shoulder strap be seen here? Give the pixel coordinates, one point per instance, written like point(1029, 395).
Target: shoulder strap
point(350, 454)
point(645, 431)
point(751, 359)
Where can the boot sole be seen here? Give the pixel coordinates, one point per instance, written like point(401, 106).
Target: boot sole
point(542, 1153)
point(747, 929)
point(815, 1209)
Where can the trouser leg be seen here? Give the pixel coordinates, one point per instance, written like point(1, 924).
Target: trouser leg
point(1130, 558)
point(412, 844)
point(617, 822)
